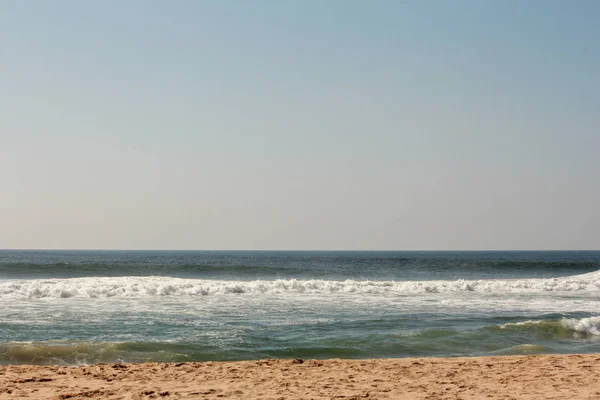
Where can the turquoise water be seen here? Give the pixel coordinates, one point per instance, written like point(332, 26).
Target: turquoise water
point(80, 307)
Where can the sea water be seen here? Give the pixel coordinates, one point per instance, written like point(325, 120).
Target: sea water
point(81, 307)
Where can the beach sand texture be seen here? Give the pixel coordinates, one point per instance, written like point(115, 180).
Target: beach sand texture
point(510, 377)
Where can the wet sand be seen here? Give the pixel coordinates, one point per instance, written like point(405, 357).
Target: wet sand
point(511, 377)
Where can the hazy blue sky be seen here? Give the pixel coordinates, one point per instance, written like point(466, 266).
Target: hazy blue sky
point(300, 124)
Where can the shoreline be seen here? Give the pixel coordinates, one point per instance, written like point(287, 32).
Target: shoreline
point(497, 377)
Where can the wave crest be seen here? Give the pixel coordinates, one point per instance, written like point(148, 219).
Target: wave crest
point(166, 286)
point(586, 326)
point(565, 327)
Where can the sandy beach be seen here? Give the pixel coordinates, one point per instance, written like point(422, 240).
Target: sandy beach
point(510, 377)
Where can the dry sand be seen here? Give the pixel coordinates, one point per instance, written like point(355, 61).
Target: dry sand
point(518, 377)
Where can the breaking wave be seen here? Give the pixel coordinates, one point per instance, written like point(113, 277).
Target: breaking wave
point(565, 327)
point(126, 287)
point(587, 326)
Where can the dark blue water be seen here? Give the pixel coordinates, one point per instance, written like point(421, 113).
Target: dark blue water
point(381, 265)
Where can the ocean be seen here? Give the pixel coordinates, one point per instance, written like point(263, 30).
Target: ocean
point(85, 307)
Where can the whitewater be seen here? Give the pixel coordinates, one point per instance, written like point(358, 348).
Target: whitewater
point(165, 286)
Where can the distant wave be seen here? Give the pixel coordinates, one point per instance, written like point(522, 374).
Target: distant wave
point(288, 267)
point(167, 286)
point(80, 270)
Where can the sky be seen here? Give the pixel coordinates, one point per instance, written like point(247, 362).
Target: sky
point(340, 124)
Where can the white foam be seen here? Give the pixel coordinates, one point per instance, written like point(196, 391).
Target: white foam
point(166, 286)
point(510, 325)
point(588, 326)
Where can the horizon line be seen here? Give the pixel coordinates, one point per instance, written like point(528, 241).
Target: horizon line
point(303, 250)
